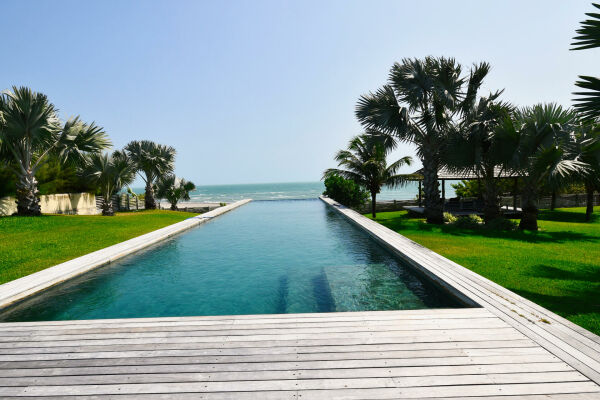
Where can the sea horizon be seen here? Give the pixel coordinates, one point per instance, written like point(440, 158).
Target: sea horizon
point(226, 193)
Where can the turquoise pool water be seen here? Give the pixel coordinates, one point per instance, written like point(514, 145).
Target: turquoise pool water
point(289, 256)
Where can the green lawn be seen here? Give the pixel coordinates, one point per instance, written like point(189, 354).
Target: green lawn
point(30, 244)
point(558, 267)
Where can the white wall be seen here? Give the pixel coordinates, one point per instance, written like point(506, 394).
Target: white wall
point(70, 203)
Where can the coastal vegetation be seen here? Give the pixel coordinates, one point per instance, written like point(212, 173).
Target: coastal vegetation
point(151, 160)
point(541, 146)
point(38, 150)
point(345, 191)
point(431, 104)
point(30, 244)
point(109, 172)
point(174, 189)
point(420, 105)
point(427, 103)
point(31, 133)
point(588, 37)
point(474, 147)
point(364, 162)
point(556, 267)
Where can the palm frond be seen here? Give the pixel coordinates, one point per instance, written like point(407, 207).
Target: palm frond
point(588, 36)
point(587, 102)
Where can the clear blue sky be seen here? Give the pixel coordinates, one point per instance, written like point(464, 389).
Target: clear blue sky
point(264, 91)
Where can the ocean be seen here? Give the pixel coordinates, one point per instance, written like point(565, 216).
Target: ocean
point(287, 191)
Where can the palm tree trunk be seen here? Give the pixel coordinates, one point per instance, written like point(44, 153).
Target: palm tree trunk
point(173, 206)
point(553, 200)
point(589, 204)
point(28, 201)
point(149, 200)
point(530, 209)
point(373, 204)
point(433, 203)
point(491, 206)
point(107, 206)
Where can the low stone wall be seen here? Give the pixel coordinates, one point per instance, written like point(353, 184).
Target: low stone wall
point(68, 203)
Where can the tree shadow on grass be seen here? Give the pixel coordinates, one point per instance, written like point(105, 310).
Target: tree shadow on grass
point(585, 273)
point(528, 237)
point(566, 216)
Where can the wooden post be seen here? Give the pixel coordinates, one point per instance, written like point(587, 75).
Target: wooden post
point(443, 193)
point(419, 196)
point(137, 207)
point(128, 205)
point(515, 186)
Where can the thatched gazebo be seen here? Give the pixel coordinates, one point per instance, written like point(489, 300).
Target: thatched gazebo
point(445, 175)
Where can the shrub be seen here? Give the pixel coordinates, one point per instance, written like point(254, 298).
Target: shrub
point(468, 221)
point(502, 224)
point(345, 191)
point(449, 218)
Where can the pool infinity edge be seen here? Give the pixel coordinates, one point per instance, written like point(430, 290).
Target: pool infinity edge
point(19, 289)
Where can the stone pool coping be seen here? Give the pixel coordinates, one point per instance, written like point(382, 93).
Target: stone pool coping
point(573, 344)
point(21, 288)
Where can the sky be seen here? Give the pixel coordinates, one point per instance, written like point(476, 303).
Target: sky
point(264, 91)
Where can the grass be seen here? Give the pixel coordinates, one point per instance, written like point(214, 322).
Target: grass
point(557, 267)
point(30, 244)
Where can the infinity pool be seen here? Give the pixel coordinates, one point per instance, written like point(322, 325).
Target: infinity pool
point(265, 257)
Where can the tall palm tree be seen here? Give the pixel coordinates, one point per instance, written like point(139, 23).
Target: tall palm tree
point(473, 148)
point(541, 140)
point(110, 173)
point(365, 164)
point(152, 160)
point(419, 105)
point(174, 189)
point(588, 141)
point(31, 132)
point(588, 37)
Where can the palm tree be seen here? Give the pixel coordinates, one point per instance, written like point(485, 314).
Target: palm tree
point(418, 105)
point(174, 189)
point(588, 101)
point(365, 164)
point(473, 148)
point(153, 160)
point(541, 140)
point(110, 173)
point(588, 141)
point(31, 132)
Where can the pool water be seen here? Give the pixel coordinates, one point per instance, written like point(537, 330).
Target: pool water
point(288, 256)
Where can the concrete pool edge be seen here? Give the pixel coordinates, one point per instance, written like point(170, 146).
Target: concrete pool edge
point(19, 289)
point(575, 345)
point(414, 263)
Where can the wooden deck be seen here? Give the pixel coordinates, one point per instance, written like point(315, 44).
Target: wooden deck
point(507, 349)
point(362, 355)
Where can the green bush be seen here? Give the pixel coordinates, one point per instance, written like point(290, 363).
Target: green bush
point(53, 177)
point(502, 224)
point(472, 188)
point(468, 221)
point(345, 191)
point(449, 218)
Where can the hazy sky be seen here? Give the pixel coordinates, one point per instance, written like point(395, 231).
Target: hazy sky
point(264, 91)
